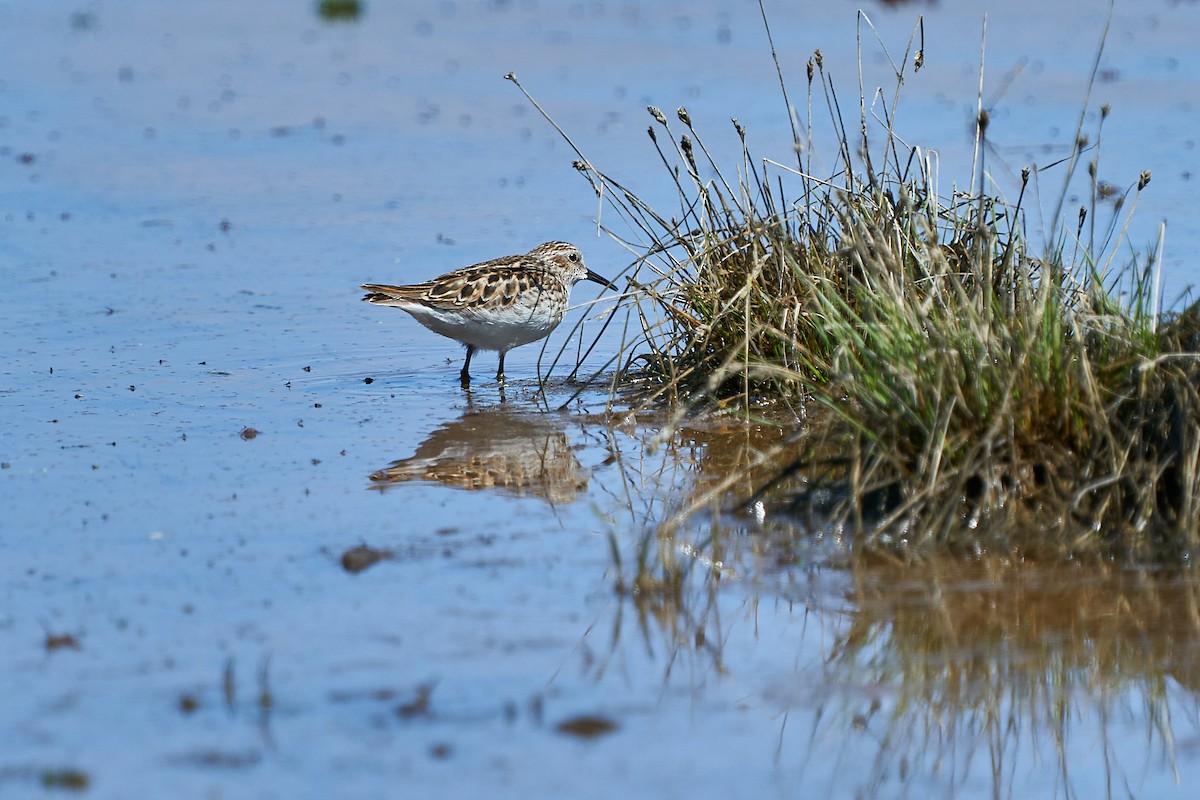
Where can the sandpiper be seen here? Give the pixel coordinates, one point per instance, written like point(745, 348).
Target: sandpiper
point(498, 304)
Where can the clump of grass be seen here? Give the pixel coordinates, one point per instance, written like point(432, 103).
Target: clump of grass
point(956, 389)
point(981, 398)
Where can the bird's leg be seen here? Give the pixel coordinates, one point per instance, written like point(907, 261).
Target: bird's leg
point(500, 371)
point(465, 375)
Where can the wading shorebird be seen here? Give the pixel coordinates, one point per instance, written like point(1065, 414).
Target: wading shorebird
point(498, 304)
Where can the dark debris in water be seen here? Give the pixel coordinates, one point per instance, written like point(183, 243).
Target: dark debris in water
point(340, 10)
point(220, 759)
point(61, 641)
point(587, 726)
point(419, 705)
point(361, 557)
point(60, 778)
point(69, 778)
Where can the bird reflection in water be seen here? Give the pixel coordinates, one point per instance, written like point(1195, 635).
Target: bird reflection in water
point(515, 454)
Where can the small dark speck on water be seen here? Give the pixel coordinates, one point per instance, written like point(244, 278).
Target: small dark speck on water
point(225, 225)
point(83, 21)
point(586, 726)
point(537, 708)
point(361, 557)
point(368, 381)
point(61, 641)
point(419, 705)
point(74, 779)
point(221, 759)
point(340, 10)
point(229, 684)
point(248, 433)
point(308, 369)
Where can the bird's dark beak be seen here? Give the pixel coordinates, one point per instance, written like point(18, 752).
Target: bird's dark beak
point(592, 276)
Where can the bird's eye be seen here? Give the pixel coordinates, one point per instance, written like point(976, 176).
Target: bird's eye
point(573, 257)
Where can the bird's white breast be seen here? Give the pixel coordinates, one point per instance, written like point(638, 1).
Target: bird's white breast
point(486, 328)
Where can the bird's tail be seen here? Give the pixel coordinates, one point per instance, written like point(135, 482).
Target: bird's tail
point(382, 295)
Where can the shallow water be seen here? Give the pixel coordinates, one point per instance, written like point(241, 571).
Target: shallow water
point(257, 542)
